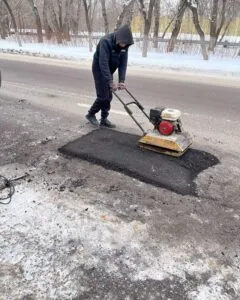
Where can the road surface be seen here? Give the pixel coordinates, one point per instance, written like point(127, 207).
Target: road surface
point(75, 230)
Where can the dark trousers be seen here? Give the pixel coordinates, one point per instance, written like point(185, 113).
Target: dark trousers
point(104, 96)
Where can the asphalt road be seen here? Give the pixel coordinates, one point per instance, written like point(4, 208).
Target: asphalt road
point(210, 105)
point(87, 232)
point(206, 99)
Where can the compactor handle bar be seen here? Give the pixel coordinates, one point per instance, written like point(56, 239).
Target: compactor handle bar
point(129, 111)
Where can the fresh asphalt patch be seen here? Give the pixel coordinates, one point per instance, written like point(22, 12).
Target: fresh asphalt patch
point(119, 151)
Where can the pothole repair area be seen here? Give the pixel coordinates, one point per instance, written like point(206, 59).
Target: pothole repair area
point(119, 151)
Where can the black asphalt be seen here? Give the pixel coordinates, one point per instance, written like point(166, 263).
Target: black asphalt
point(119, 151)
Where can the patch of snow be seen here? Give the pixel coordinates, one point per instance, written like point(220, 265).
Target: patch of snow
point(187, 62)
point(48, 239)
point(212, 291)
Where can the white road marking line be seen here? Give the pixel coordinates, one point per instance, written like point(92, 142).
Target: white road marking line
point(72, 94)
point(118, 112)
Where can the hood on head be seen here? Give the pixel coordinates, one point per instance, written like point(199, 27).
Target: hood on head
point(124, 35)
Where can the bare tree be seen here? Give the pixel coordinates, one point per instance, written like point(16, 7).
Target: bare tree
point(232, 12)
point(52, 18)
point(177, 26)
point(167, 27)
point(129, 14)
point(78, 13)
point(4, 22)
point(222, 18)
point(47, 28)
point(75, 13)
point(60, 15)
point(156, 23)
point(89, 14)
point(14, 21)
point(217, 21)
point(147, 16)
point(213, 25)
point(193, 5)
point(37, 20)
point(226, 29)
point(126, 12)
point(104, 14)
point(66, 23)
point(172, 15)
point(18, 11)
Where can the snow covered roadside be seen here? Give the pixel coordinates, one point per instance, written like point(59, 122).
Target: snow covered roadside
point(157, 61)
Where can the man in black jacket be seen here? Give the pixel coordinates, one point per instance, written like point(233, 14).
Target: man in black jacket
point(111, 54)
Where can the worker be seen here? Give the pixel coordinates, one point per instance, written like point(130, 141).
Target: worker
point(111, 54)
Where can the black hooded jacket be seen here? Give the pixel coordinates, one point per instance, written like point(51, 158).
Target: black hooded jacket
point(109, 56)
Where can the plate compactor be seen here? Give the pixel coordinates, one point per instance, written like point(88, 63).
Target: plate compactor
point(167, 135)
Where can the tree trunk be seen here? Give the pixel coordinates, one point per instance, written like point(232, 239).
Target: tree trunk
point(53, 19)
point(78, 14)
point(199, 30)
point(104, 14)
point(89, 25)
point(147, 27)
point(215, 29)
point(156, 23)
point(3, 28)
point(213, 26)
point(47, 28)
point(14, 22)
point(168, 26)
point(60, 16)
point(147, 16)
point(74, 21)
point(222, 19)
point(66, 24)
point(37, 21)
point(126, 7)
point(20, 19)
point(177, 26)
point(2, 35)
point(3, 21)
point(3, 32)
point(129, 13)
point(225, 29)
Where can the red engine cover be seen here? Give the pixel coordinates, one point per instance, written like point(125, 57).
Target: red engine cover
point(166, 128)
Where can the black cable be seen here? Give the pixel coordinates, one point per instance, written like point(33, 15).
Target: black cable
point(8, 184)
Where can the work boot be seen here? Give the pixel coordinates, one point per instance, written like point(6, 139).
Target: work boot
point(92, 119)
point(107, 123)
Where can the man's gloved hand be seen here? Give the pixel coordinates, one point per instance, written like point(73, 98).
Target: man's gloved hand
point(121, 86)
point(113, 87)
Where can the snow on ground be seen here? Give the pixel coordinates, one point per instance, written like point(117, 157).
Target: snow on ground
point(57, 237)
point(180, 62)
